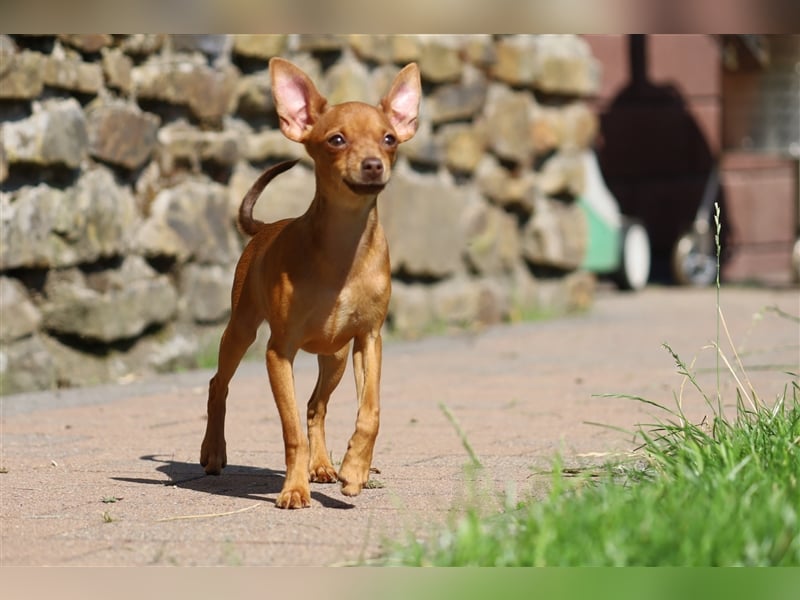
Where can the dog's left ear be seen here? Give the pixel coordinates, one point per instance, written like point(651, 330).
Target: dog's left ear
point(401, 104)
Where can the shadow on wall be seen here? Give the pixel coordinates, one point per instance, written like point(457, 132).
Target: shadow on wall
point(655, 158)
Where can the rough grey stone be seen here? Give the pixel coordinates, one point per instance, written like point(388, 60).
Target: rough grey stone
point(54, 133)
point(117, 67)
point(175, 348)
point(572, 293)
point(26, 365)
point(410, 309)
point(349, 80)
point(8, 50)
point(556, 235)
point(503, 187)
point(425, 147)
point(493, 245)
point(464, 146)
point(579, 127)
point(143, 43)
point(479, 49)
point(581, 287)
point(566, 65)
point(509, 116)
point(547, 129)
point(494, 301)
point(190, 221)
point(456, 301)
point(562, 173)
point(186, 80)
point(121, 133)
point(406, 48)
point(319, 42)
point(18, 315)
point(45, 227)
point(254, 93)
point(87, 42)
point(20, 73)
point(516, 60)
point(67, 70)
point(458, 101)
point(560, 64)
point(439, 58)
point(259, 45)
point(272, 144)
point(214, 45)
point(180, 142)
point(435, 55)
point(524, 289)
point(108, 306)
point(3, 163)
point(206, 291)
point(422, 218)
point(375, 47)
point(75, 368)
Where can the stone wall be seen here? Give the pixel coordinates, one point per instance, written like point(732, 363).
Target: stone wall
point(124, 158)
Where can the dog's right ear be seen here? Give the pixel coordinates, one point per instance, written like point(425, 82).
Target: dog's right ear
point(297, 101)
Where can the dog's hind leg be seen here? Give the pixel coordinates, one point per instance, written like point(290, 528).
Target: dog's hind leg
point(331, 369)
point(236, 339)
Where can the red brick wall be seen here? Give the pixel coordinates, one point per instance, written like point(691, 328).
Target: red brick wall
point(762, 217)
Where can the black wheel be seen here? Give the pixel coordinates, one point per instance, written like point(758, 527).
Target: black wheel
point(693, 260)
point(634, 269)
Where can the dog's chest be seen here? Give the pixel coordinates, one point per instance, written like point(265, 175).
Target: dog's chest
point(360, 305)
point(340, 315)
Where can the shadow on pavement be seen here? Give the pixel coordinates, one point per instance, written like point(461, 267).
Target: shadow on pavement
point(236, 481)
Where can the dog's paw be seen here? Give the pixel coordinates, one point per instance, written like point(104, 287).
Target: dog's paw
point(213, 461)
point(353, 478)
point(351, 488)
point(323, 473)
point(294, 497)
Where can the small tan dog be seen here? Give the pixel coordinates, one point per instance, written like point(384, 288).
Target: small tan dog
point(321, 280)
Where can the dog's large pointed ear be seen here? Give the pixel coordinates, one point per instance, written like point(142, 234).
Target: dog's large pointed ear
point(297, 101)
point(401, 104)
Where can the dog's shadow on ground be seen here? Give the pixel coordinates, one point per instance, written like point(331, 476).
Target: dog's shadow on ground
point(237, 481)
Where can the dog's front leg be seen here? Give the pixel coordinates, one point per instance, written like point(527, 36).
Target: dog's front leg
point(331, 369)
point(367, 367)
point(296, 492)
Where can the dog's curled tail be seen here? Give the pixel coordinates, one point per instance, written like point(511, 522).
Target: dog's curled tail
point(247, 223)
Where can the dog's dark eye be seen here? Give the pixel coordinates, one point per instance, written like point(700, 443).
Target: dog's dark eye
point(337, 140)
point(389, 139)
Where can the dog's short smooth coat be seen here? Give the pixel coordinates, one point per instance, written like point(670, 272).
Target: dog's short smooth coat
point(321, 280)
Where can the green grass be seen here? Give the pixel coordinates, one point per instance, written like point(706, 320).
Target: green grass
point(722, 492)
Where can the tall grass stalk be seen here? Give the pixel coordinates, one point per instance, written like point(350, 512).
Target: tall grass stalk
point(475, 463)
point(718, 246)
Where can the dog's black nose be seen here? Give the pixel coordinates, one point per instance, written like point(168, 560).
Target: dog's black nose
point(372, 168)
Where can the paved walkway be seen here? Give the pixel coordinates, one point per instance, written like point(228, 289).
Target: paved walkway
point(520, 393)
